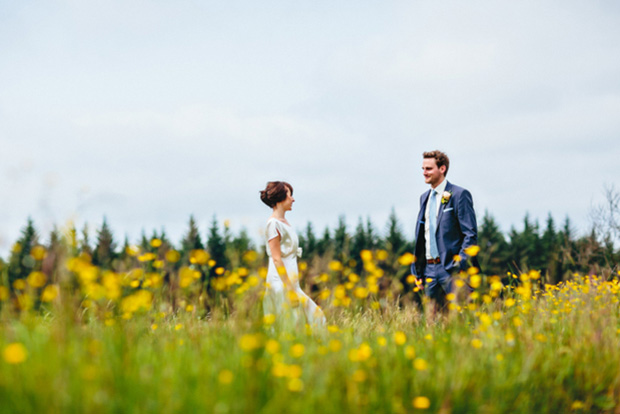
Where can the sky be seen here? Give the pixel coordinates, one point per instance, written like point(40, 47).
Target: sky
point(148, 111)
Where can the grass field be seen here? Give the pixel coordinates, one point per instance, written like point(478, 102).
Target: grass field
point(146, 340)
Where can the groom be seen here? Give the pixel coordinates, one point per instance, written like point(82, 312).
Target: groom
point(446, 226)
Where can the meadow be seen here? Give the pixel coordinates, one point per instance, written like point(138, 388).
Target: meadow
point(157, 335)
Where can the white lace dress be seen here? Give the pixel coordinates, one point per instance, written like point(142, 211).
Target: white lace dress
point(275, 302)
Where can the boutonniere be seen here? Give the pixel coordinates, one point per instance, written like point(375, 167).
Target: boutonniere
point(445, 197)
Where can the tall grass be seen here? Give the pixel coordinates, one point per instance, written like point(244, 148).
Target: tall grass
point(129, 342)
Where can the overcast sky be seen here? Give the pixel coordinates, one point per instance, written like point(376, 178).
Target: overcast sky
point(149, 111)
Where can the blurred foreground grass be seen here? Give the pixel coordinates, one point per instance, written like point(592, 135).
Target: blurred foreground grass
point(163, 338)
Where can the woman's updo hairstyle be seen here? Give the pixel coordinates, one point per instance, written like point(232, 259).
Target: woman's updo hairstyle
point(274, 192)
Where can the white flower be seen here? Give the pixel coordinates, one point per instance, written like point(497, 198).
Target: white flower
point(299, 252)
point(445, 197)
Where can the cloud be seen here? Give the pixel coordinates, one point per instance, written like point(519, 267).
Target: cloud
point(166, 110)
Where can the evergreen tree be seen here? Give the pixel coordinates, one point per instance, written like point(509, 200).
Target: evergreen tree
point(56, 252)
point(567, 250)
point(85, 247)
point(395, 242)
point(242, 243)
point(550, 251)
point(396, 245)
point(166, 244)
point(72, 240)
point(237, 246)
point(310, 243)
point(227, 236)
point(216, 245)
point(372, 237)
point(20, 261)
point(145, 243)
point(359, 242)
point(341, 240)
point(105, 249)
point(123, 254)
point(55, 240)
point(524, 248)
point(325, 244)
point(493, 246)
point(191, 241)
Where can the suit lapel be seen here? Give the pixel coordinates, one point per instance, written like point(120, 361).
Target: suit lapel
point(442, 206)
point(421, 218)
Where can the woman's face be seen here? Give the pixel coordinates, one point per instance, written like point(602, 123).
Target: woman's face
point(287, 203)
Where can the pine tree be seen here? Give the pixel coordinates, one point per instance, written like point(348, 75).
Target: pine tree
point(242, 243)
point(325, 244)
point(310, 243)
point(85, 242)
point(105, 249)
point(493, 247)
point(550, 247)
point(56, 252)
point(237, 247)
point(216, 245)
point(341, 240)
point(72, 240)
point(20, 261)
point(145, 243)
point(524, 248)
point(371, 235)
point(166, 244)
point(191, 240)
point(359, 242)
point(123, 254)
point(567, 250)
point(395, 242)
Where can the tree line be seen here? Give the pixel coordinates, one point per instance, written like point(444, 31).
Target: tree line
point(557, 251)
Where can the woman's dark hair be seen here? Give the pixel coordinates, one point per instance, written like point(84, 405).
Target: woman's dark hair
point(274, 192)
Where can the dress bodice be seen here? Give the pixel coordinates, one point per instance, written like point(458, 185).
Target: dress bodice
point(289, 243)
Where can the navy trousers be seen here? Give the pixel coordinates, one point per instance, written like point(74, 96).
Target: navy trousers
point(440, 283)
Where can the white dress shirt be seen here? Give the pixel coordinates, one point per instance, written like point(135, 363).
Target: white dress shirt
point(440, 189)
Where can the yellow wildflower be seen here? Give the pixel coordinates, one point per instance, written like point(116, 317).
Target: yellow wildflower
point(335, 345)
point(366, 255)
point(400, 338)
point(295, 385)
point(37, 279)
point(297, 350)
point(272, 346)
point(199, 257)
point(421, 403)
point(472, 250)
point(420, 364)
point(15, 353)
point(49, 293)
point(406, 259)
point(250, 342)
point(225, 377)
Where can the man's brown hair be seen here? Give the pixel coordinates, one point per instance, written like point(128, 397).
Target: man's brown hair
point(441, 158)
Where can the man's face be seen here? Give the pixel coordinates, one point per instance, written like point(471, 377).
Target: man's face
point(432, 175)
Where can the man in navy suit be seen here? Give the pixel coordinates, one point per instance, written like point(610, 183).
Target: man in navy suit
point(446, 226)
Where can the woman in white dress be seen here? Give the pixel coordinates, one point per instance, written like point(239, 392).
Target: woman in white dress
point(284, 298)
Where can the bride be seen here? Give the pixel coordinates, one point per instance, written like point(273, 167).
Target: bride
point(284, 297)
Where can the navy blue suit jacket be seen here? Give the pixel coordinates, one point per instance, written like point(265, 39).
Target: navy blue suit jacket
point(456, 230)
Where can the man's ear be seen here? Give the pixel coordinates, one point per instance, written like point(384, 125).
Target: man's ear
point(442, 169)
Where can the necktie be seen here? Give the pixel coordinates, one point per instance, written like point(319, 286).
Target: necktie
point(432, 218)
